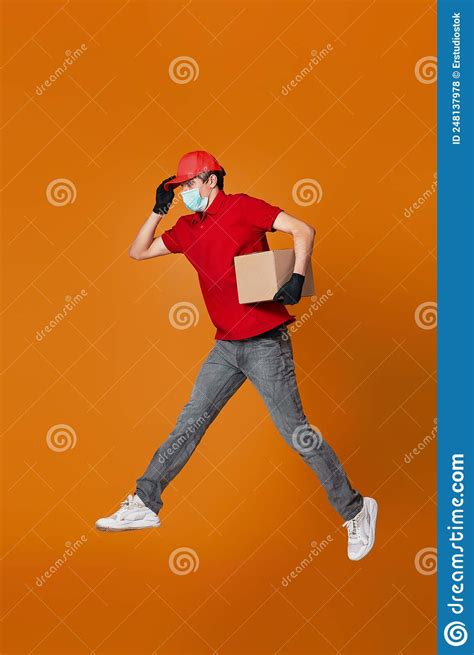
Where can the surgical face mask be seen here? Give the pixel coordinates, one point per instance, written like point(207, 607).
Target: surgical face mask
point(193, 200)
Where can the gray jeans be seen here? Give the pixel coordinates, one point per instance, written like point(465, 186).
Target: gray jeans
point(267, 361)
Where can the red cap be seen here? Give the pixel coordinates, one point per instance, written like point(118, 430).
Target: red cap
point(191, 164)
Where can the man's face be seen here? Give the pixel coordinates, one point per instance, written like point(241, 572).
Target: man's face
point(191, 184)
point(196, 183)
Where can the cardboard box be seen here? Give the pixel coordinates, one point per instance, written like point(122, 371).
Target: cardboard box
point(261, 274)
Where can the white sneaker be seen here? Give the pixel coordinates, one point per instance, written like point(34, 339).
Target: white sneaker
point(132, 514)
point(361, 530)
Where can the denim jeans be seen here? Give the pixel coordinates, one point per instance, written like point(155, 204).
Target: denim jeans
point(267, 361)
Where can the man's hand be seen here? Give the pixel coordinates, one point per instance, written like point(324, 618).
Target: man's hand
point(163, 198)
point(290, 292)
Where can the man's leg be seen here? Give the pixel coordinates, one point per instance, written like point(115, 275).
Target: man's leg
point(218, 379)
point(268, 363)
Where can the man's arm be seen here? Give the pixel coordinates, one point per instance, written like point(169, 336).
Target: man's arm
point(303, 238)
point(145, 245)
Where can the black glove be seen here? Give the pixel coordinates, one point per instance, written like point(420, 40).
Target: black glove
point(290, 292)
point(163, 198)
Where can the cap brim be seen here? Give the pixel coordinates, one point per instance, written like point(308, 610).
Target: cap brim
point(176, 181)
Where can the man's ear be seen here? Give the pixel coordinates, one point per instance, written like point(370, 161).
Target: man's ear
point(213, 180)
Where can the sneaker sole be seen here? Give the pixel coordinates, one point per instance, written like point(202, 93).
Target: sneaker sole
point(127, 528)
point(373, 511)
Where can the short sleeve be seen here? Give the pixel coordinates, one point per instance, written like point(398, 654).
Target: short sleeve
point(173, 237)
point(259, 214)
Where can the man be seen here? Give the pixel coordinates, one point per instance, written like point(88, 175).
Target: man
point(252, 341)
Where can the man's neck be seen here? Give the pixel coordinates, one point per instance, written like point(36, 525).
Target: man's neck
point(212, 196)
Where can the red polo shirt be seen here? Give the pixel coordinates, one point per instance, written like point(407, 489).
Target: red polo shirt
point(234, 224)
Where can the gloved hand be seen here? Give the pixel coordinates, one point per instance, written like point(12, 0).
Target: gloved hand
point(163, 198)
point(290, 292)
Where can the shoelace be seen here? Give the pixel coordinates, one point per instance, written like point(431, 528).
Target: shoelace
point(353, 527)
point(129, 502)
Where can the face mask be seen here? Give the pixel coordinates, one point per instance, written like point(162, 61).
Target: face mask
point(193, 201)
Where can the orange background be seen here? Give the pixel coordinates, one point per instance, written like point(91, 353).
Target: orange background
point(117, 372)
